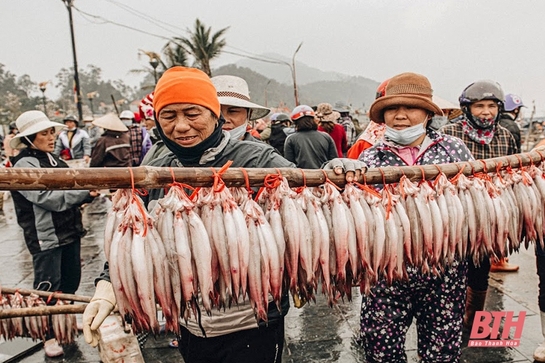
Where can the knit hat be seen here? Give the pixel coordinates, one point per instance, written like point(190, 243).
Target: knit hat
point(145, 107)
point(233, 91)
point(110, 122)
point(405, 89)
point(301, 111)
point(185, 85)
point(30, 123)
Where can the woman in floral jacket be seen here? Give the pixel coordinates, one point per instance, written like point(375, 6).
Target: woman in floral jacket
point(435, 301)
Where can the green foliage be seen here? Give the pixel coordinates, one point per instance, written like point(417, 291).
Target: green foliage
point(15, 95)
point(20, 94)
point(202, 45)
point(90, 81)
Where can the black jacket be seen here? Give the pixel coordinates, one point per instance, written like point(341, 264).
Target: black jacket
point(278, 138)
point(509, 123)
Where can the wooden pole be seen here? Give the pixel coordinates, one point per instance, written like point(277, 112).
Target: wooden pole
point(42, 310)
point(154, 177)
point(46, 294)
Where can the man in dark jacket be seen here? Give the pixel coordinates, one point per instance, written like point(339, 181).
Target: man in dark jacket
point(508, 117)
point(113, 148)
point(280, 129)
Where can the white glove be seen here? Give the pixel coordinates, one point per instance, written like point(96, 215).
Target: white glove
point(101, 305)
point(352, 168)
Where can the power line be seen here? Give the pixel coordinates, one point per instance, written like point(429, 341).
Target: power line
point(104, 20)
point(97, 19)
point(257, 58)
point(157, 22)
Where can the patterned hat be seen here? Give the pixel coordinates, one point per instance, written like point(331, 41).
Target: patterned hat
point(233, 91)
point(145, 107)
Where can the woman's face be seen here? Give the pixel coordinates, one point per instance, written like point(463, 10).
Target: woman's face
point(45, 140)
point(71, 125)
point(485, 109)
point(401, 117)
point(187, 124)
point(234, 116)
point(149, 123)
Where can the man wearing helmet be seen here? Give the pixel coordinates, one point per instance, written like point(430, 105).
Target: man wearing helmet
point(481, 103)
point(511, 111)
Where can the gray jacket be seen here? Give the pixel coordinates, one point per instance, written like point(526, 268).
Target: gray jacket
point(309, 149)
point(94, 133)
point(80, 144)
point(49, 218)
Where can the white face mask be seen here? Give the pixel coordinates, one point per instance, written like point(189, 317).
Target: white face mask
point(438, 121)
point(406, 136)
point(238, 131)
point(127, 123)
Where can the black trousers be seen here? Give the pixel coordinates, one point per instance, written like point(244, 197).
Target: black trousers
point(540, 263)
point(263, 345)
point(58, 269)
point(477, 277)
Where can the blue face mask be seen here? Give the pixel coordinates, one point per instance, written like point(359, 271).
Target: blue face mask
point(238, 131)
point(438, 121)
point(406, 136)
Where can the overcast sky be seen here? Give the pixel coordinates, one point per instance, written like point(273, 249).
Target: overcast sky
point(452, 42)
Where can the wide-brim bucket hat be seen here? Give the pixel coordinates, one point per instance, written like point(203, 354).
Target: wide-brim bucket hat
point(405, 89)
point(30, 123)
point(233, 91)
point(110, 122)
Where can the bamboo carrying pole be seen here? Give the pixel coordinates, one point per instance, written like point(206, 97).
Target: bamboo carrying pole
point(155, 177)
point(46, 294)
point(42, 310)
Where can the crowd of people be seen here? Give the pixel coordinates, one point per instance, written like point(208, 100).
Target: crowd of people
point(192, 120)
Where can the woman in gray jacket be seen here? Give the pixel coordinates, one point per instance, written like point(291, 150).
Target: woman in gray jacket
point(188, 119)
point(50, 219)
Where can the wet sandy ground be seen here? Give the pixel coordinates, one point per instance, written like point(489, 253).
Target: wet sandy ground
point(314, 333)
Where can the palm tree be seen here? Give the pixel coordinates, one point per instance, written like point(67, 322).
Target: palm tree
point(175, 54)
point(202, 45)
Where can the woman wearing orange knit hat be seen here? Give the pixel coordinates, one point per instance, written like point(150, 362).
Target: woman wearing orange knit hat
point(187, 111)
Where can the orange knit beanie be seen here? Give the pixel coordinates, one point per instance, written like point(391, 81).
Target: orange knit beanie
point(185, 85)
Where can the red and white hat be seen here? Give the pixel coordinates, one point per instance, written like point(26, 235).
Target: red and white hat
point(145, 108)
point(301, 111)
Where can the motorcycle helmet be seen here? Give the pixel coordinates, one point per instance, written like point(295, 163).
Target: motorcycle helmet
point(482, 90)
point(512, 102)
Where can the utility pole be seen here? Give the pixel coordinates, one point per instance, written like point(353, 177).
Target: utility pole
point(68, 4)
point(295, 91)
